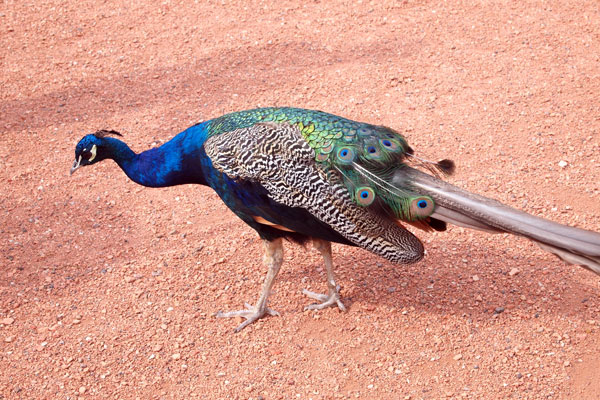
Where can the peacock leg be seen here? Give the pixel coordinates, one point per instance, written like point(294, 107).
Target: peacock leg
point(333, 298)
point(273, 259)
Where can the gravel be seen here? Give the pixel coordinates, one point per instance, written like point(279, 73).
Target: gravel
point(506, 90)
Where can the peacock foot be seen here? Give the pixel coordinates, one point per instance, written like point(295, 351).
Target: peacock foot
point(251, 313)
point(331, 300)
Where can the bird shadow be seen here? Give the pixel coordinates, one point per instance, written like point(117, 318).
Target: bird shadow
point(487, 282)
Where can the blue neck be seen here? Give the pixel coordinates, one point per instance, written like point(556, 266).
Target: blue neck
point(173, 163)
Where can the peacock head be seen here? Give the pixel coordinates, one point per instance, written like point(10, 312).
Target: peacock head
point(92, 148)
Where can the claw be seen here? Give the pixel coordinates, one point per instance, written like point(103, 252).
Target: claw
point(251, 314)
point(325, 301)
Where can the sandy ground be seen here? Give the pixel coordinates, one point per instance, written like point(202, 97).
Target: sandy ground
point(108, 289)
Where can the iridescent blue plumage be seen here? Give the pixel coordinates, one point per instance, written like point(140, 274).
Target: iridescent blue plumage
point(179, 161)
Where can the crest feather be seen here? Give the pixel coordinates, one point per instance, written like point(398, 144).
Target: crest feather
point(103, 133)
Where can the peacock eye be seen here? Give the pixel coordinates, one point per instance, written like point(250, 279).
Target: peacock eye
point(422, 207)
point(346, 154)
point(390, 144)
point(364, 131)
point(365, 196)
point(372, 151)
point(89, 155)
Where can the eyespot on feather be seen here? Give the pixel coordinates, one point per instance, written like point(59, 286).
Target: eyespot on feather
point(421, 207)
point(364, 196)
point(364, 132)
point(372, 151)
point(390, 144)
point(346, 155)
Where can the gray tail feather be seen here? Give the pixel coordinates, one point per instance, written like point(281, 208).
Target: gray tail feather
point(459, 207)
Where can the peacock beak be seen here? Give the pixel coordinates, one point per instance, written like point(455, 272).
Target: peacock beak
point(76, 165)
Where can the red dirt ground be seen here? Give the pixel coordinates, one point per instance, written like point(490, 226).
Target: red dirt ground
point(108, 289)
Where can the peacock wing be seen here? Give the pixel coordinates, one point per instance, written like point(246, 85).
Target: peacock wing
point(277, 155)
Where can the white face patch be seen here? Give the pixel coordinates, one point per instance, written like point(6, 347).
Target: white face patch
point(93, 151)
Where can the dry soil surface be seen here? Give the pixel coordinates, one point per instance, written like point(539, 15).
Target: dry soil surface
point(108, 289)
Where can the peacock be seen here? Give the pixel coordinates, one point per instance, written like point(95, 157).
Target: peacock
point(305, 175)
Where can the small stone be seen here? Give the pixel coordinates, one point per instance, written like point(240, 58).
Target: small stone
point(176, 356)
point(514, 272)
point(129, 279)
point(7, 321)
point(9, 339)
point(457, 357)
point(76, 321)
point(562, 163)
point(498, 310)
point(567, 363)
point(82, 389)
point(475, 278)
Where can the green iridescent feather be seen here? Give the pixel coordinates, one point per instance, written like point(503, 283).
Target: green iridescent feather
point(363, 155)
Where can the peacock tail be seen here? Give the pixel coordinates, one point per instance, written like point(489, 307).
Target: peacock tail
point(362, 156)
